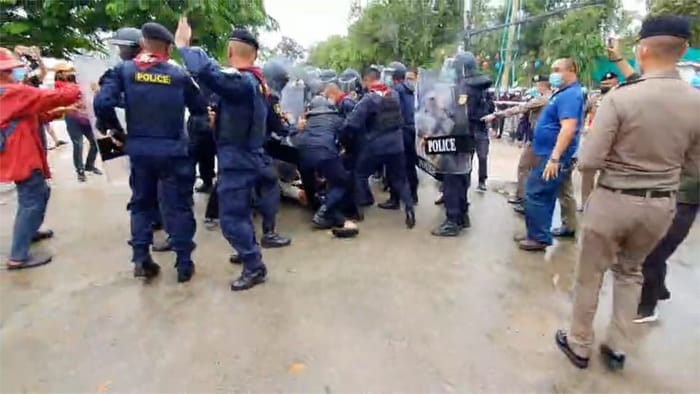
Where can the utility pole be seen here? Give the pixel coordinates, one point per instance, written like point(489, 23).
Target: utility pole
point(514, 14)
point(467, 22)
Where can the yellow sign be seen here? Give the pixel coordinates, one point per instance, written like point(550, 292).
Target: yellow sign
point(153, 78)
point(463, 99)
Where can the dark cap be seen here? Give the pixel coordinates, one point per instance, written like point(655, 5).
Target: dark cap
point(540, 78)
point(665, 25)
point(156, 31)
point(609, 75)
point(243, 35)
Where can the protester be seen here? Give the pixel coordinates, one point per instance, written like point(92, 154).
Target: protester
point(23, 154)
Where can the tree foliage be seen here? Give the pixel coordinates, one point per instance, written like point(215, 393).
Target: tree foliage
point(290, 49)
point(62, 27)
point(689, 8)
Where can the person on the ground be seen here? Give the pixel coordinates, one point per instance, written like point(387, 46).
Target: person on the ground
point(377, 117)
point(241, 133)
point(155, 92)
point(540, 92)
point(23, 155)
point(79, 128)
point(633, 205)
point(555, 142)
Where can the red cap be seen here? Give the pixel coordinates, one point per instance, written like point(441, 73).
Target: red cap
point(8, 60)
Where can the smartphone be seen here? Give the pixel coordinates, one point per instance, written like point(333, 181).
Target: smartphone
point(611, 42)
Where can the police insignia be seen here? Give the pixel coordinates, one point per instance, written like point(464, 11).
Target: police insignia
point(463, 99)
point(278, 109)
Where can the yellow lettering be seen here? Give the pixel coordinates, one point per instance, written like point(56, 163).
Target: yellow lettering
point(153, 78)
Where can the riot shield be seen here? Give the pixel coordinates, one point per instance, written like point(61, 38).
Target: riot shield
point(88, 71)
point(442, 148)
point(292, 100)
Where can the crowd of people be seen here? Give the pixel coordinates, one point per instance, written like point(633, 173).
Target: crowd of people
point(353, 126)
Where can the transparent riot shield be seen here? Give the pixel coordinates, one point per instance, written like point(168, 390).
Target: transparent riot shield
point(292, 100)
point(442, 142)
point(88, 71)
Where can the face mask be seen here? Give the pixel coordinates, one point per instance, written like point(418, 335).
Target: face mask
point(556, 80)
point(19, 73)
point(388, 81)
point(411, 85)
point(534, 92)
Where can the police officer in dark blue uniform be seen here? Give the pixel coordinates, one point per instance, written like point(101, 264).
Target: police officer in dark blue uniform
point(202, 143)
point(377, 119)
point(155, 93)
point(473, 103)
point(480, 102)
point(319, 153)
point(408, 107)
point(240, 133)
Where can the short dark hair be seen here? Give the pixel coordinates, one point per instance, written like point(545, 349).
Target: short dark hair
point(372, 73)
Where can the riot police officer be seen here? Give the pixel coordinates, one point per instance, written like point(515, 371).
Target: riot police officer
point(472, 103)
point(407, 99)
point(155, 93)
point(377, 120)
point(240, 137)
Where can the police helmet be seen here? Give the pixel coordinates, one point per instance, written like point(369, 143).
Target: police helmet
point(320, 105)
point(328, 75)
point(127, 36)
point(349, 81)
point(398, 70)
point(464, 64)
point(276, 75)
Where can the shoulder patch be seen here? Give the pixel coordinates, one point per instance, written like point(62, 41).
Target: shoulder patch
point(463, 98)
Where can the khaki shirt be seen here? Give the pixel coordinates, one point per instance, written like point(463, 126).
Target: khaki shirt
point(534, 106)
point(644, 132)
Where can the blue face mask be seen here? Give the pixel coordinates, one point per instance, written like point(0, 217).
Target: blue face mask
point(19, 73)
point(556, 80)
point(534, 92)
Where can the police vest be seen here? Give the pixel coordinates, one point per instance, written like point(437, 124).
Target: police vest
point(243, 123)
point(388, 118)
point(154, 100)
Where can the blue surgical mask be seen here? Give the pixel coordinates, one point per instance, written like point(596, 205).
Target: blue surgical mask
point(19, 73)
point(556, 80)
point(534, 92)
point(411, 85)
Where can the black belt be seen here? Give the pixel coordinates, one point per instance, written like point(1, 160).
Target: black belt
point(641, 192)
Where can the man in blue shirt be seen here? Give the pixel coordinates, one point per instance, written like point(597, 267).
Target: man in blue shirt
point(555, 143)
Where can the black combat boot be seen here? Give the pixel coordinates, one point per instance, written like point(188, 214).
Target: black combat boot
point(249, 279)
point(322, 220)
point(410, 218)
point(391, 203)
point(466, 221)
point(146, 269)
point(447, 229)
point(185, 271)
point(271, 239)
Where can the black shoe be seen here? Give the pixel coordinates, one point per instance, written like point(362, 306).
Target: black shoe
point(321, 220)
point(249, 279)
point(563, 344)
point(147, 269)
point(410, 218)
point(162, 247)
point(185, 271)
point(614, 361)
point(440, 200)
point(665, 294)
point(563, 232)
point(519, 208)
point(94, 170)
point(447, 229)
point(356, 216)
point(274, 240)
point(389, 204)
point(481, 187)
point(414, 196)
point(466, 221)
point(516, 200)
point(81, 176)
point(235, 259)
point(204, 188)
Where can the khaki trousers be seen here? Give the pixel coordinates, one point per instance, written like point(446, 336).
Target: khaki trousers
point(618, 232)
point(525, 165)
point(587, 184)
point(567, 200)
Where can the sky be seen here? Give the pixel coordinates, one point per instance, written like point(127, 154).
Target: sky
point(311, 21)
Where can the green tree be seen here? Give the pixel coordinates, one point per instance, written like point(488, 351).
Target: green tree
point(63, 27)
point(689, 8)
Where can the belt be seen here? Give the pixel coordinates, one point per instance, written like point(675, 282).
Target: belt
point(641, 192)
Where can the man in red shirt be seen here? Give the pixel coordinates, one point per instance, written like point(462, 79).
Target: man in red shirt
point(23, 109)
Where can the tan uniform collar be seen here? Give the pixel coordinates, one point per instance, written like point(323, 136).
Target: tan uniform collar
point(671, 74)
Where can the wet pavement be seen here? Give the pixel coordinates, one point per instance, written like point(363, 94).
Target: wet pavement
point(393, 310)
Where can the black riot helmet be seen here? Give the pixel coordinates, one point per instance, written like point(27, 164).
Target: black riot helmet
point(398, 70)
point(464, 65)
point(276, 75)
point(128, 39)
point(350, 81)
point(328, 76)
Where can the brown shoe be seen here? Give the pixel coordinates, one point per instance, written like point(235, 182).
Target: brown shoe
point(519, 237)
point(532, 245)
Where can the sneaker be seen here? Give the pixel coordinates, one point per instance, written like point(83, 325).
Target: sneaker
point(647, 318)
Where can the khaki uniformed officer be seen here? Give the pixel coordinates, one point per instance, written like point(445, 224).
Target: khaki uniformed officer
point(643, 133)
